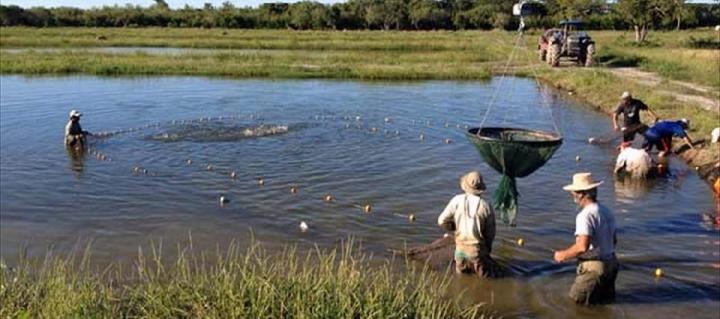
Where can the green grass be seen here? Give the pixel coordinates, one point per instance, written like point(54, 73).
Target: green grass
point(375, 55)
point(338, 283)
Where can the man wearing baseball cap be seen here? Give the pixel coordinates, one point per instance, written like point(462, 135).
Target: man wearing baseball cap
point(630, 109)
point(74, 134)
point(594, 248)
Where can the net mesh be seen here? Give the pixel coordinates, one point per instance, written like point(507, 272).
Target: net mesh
point(514, 153)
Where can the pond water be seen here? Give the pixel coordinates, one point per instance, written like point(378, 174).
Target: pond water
point(359, 142)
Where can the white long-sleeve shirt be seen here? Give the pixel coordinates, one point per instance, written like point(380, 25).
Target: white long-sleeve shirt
point(474, 220)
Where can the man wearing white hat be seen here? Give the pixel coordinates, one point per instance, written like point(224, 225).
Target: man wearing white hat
point(472, 219)
point(74, 134)
point(594, 248)
point(630, 109)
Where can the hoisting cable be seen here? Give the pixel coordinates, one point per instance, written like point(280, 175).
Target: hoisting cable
point(502, 79)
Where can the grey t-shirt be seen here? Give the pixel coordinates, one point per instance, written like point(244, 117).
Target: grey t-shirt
point(598, 222)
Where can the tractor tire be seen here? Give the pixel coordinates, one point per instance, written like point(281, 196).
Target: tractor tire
point(589, 61)
point(542, 54)
point(554, 55)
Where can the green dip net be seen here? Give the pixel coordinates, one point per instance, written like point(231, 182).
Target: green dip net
point(514, 153)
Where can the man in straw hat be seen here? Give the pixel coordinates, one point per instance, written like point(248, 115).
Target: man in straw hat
point(594, 247)
point(472, 219)
point(630, 109)
point(74, 134)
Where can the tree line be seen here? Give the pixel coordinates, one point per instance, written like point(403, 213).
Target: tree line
point(378, 15)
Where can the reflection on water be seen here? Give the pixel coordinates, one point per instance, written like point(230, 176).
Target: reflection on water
point(77, 158)
point(360, 142)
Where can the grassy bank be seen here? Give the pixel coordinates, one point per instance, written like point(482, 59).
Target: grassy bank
point(374, 55)
point(227, 284)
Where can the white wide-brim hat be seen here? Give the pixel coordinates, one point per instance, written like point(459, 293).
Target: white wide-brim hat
point(625, 95)
point(75, 113)
point(582, 182)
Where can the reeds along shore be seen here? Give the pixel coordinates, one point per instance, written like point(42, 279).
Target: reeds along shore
point(232, 283)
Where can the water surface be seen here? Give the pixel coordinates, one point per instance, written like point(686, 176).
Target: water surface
point(359, 142)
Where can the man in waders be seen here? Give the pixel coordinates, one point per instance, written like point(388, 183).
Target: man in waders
point(472, 220)
point(630, 109)
point(74, 134)
point(594, 248)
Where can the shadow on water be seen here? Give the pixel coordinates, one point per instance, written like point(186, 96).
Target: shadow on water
point(664, 293)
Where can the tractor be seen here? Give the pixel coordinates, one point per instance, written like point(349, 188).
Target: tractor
point(566, 41)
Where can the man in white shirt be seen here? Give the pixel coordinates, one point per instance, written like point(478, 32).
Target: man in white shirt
point(635, 162)
point(594, 248)
point(473, 221)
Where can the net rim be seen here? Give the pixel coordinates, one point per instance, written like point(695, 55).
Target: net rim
point(481, 134)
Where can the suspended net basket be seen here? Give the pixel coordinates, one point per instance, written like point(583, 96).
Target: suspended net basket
point(514, 153)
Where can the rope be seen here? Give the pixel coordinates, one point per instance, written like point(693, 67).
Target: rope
point(533, 68)
point(502, 79)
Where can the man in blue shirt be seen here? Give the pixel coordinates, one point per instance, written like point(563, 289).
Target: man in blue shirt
point(660, 135)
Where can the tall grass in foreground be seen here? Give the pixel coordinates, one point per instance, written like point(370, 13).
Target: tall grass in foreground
point(336, 283)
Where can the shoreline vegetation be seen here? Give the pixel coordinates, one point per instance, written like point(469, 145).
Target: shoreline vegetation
point(392, 55)
point(229, 283)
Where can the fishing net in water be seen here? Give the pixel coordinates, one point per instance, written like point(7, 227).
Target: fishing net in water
point(514, 153)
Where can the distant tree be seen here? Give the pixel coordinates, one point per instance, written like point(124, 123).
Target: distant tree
point(11, 15)
point(571, 9)
point(641, 14)
point(161, 5)
point(308, 15)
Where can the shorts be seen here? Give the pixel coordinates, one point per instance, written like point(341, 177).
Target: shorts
point(663, 144)
point(595, 282)
point(468, 261)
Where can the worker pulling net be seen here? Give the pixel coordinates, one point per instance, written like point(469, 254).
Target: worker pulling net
point(514, 153)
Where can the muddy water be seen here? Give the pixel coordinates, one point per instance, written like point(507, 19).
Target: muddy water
point(136, 184)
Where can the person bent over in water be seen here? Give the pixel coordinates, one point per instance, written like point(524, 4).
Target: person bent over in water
point(634, 162)
point(74, 134)
point(473, 221)
point(660, 135)
point(594, 248)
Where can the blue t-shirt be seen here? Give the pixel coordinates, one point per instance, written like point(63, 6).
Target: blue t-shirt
point(665, 129)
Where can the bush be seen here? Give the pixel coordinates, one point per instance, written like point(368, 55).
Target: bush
point(702, 43)
point(610, 58)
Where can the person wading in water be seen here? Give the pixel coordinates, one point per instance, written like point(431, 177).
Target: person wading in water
point(74, 134)
point(472, 219)
point(594, 248)
point(630, 109)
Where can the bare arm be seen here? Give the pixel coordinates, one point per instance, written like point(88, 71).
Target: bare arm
point(657, 118)
point(582, 244)
point(614, 120)
point(688, 141)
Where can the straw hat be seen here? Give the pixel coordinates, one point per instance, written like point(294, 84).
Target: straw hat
point(582, 182)
point(625, 95)
point(472, 183)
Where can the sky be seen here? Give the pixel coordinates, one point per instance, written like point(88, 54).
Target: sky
point(172, 3)
point(145, 3)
